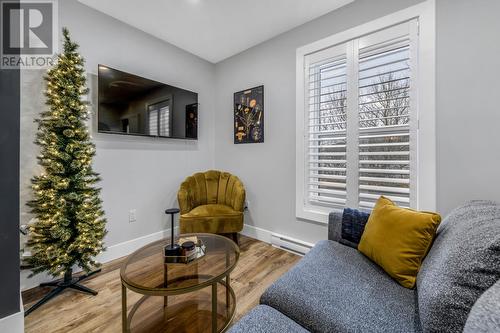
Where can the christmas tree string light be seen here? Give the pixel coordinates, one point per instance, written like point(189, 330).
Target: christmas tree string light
point(70, 225)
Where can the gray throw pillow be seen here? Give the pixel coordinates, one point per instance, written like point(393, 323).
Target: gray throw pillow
point(462, 263)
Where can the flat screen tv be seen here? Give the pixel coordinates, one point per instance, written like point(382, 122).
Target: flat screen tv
point(133, 105)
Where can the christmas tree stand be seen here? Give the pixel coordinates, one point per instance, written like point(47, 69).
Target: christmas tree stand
point(68, 281)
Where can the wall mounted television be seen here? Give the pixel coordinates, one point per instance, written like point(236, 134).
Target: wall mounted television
point(132, 105)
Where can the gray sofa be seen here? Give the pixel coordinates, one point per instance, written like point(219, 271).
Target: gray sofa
point(335, 288)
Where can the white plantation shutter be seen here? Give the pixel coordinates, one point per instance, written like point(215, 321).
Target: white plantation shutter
point(360, 124)
point(384, 86)
point(165, 121)
point(326, 129)
point(153, 122)
point(159, 119)
point(327, 132)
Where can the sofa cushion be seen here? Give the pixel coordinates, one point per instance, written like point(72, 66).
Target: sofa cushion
point(398, 239)
point(334, 288)
point(264, 319)
point(463, 262)
point(353, 225)
point(212, 218)
point(484, 317)
point(211, 210)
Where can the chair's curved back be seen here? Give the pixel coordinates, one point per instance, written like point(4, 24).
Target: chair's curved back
point(214, 187)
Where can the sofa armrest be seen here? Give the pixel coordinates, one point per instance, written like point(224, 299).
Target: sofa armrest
point(335, 226)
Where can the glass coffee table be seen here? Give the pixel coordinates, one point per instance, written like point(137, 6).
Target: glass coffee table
point(180, 297)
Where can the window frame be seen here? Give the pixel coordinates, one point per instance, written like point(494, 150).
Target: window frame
point(424, 98)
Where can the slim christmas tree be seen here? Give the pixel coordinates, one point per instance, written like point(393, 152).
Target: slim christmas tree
point(70, 223)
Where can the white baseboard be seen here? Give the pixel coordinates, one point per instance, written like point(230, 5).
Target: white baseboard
point(124, 249)
point(112, 252)
point(257, 233)
point(296, 246)
point(13, 323)
point(31, 282)
point(290, 244)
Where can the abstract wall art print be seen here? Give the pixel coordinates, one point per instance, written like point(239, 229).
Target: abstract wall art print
point(249, 115)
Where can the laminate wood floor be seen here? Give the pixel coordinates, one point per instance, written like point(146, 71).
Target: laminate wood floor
point(259, 266)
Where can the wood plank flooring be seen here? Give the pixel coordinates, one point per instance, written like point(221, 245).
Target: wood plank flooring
point(259, 266)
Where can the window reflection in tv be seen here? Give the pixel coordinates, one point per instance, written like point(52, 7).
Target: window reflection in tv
point(130, 104)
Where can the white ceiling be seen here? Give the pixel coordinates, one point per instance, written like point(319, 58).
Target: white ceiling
point(215, 29)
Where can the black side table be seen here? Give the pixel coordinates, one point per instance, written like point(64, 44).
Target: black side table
point(173, 249)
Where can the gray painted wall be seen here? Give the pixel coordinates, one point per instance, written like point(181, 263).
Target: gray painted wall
point(467, 85)
point(138, 173)
point(468, 116)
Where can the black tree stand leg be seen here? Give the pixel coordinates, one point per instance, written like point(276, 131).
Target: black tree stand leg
point(60, 285)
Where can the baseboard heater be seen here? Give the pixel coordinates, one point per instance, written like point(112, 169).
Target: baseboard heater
point(290, 244)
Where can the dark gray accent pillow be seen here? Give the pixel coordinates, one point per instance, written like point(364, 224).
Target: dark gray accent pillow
point(353, 225)
point(463, 262)
point(484, 317)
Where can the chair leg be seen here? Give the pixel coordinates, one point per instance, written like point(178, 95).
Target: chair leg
point(236, 238)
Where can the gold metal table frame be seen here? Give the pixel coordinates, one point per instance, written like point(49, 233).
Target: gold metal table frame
point(201, 280)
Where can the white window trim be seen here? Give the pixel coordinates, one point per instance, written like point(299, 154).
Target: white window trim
point(426, 100)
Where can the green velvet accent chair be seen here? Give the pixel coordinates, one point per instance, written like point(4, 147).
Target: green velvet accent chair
point(212, 202)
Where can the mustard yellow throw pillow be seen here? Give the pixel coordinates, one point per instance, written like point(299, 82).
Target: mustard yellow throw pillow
point(398, 239)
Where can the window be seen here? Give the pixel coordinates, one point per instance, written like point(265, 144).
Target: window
point(159, 118)
point(359, 119)
point(326, 129)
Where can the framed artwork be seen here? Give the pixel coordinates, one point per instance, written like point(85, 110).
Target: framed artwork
point(249, 115)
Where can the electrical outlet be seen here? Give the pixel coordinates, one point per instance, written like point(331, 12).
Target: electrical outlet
point(132, 215)
point(247, 204)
